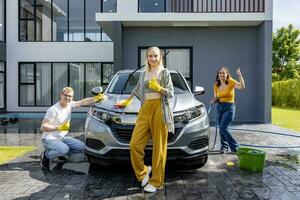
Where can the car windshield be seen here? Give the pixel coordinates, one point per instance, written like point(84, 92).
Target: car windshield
point(120, 80)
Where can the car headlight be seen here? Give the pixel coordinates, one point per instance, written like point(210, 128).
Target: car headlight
point(100, 115)
point(104, 116)
point(190, 114)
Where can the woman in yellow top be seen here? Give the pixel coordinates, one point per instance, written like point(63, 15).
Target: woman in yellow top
point(224, 96)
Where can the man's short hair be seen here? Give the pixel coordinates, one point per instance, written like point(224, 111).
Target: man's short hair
point(67, 90)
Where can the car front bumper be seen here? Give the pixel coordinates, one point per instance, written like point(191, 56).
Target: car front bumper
point(190, 146)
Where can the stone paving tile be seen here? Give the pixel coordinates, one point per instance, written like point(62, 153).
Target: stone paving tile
point(68, 195)
point(174, 182)
point(246, 193)
point(293, 189)
point(297, 194)
point(175, 193)
point(270, 181)
point(161, 195)
point(136, 193)
point(19, 188)
point(75, 183)
point(192, 194)
point(97, 193)
point(265, 193)
point(119, 193)
point(9, 197)
point(41, 197)
point(38, 186)
point(229, 192)
point(274, 193)
point(211, 194)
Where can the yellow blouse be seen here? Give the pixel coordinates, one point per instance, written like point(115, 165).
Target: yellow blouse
point(226, 94)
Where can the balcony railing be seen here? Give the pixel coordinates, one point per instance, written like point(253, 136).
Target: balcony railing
point(202, 6)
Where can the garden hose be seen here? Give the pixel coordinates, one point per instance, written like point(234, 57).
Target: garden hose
point(252, 130)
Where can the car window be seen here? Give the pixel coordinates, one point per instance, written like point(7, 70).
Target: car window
point(132, 82)
point(121, 79)
point(179, 84)
point(118, 83)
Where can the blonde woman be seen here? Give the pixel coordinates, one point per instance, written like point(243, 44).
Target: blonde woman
point(155, 120)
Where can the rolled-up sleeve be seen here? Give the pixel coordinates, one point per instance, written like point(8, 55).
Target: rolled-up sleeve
point(168, 85)
point(137, 90)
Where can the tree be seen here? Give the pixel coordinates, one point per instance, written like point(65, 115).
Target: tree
point(286, 46)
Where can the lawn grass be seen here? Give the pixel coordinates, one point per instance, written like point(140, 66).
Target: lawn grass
point(8, 153)
point(286, 117)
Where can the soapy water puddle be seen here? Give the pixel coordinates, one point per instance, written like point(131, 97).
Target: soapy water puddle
point(287, 160)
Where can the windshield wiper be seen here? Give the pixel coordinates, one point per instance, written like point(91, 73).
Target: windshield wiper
point(138, 68)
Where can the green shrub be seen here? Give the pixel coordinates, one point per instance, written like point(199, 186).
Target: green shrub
point(286, 93)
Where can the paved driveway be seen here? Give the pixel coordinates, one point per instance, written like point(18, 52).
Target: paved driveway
point(23, 178)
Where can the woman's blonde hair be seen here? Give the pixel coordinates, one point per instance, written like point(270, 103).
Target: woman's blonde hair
point(160, 62)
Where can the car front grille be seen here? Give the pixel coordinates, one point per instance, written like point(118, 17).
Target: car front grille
point(94, 144)
point(198, 143)
point(123, 132)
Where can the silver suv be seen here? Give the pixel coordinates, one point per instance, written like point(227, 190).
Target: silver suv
point(108, 129)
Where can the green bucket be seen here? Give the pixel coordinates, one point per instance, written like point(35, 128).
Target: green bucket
point(251, 159)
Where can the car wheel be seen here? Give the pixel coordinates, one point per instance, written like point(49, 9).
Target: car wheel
point(93, 161)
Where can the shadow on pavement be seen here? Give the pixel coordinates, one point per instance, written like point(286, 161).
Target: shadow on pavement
point(25, 180)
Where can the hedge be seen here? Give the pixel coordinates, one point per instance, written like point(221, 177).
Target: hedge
point(286, 93)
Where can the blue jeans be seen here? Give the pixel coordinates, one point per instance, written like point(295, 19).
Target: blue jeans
point(226, 112)
point(62, 146)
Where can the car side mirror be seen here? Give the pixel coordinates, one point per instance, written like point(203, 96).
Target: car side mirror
point(97, 90)
point(198, 90)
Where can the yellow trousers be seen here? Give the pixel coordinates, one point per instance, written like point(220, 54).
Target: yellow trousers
point(150, 123)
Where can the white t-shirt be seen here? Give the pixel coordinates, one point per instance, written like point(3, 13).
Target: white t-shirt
point(57, 116)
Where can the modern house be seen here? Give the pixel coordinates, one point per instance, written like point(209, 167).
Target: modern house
point(81, 43)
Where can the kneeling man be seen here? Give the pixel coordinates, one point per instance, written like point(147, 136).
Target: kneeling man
point(56, 125)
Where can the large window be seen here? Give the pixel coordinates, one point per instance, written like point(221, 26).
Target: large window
point(92, 30)
point(109, 6)
point(2, 20)
point(60, 20)
point(41, 83)
point(152, 6)
point(76, 20)
point(178, 59)
point(2, 85)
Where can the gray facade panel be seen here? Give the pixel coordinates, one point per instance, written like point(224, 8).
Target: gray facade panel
point(214, 47)
point(118, 45)
point(265, 68)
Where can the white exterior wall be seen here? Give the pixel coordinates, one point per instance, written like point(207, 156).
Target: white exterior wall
point(127, 12)
point(44, 52)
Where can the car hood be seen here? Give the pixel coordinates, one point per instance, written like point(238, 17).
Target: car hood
point(180, 102)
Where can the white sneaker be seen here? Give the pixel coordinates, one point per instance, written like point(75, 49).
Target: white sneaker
point(146, 178)
point(151, 188)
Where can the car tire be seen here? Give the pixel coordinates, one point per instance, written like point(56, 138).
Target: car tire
point(92, 161)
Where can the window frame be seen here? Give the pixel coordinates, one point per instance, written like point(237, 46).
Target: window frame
point(34, 84)
point(102, 3)
point(4, 73)
point(101, 32)
point(163, 11)
point(4, 23)
point(190, 48)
